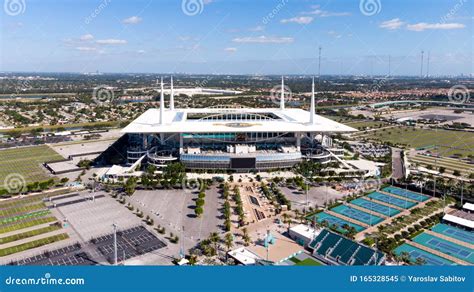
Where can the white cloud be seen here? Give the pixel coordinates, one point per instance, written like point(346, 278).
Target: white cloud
point(392, 24)
point(141, 51)
point(323, 13)
point(424, 26)
point(230, 50)
point(86, 37)
point(299, 20)
point(257, 28)
point(132, 20)
point(264, 40)
point(86, 49)
point(111, 42)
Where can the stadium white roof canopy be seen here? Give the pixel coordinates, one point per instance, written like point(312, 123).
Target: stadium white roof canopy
point(283, 120)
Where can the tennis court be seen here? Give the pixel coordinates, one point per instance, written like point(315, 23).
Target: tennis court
point(414, 252)
point(331, 220)
point(454, 232)
point(375, 207)
point(357, 215)
point(391, 200)
point(446, 247)
point(406, 193)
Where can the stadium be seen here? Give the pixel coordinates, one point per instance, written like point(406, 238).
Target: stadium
point(239, 139)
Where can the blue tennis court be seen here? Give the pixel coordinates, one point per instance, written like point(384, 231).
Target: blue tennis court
point(320, 217)
point(454, 232)
point(357, 215)
point(375, 207)
point(406, 193)
point(446, 247)
point(430, 259)
point(391, 200)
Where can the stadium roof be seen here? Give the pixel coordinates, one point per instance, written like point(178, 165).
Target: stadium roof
point(281, 120)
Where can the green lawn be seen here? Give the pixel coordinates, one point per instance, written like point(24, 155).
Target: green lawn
point(32, 244)
point(26, 224)
point(448, 163)
point(26, 162)
point(308, 262)
point(449, 142)
point(30, 233)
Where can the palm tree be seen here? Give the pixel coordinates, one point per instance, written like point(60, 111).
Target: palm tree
point(245, 236)
point(287, 219)
point(420, 261)
point(214, 238)
point(405, 256)
point(229, 241)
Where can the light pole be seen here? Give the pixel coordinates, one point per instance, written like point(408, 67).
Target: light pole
point(115, 243)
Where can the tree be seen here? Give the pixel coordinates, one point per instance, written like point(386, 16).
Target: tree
point(200, 202)
point(198, 211)
point(229, 241)
point(214, 238)
point(420, 261)
point(245, 236)
point(405, 256)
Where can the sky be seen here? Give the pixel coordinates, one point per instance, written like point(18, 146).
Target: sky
point(357, 37)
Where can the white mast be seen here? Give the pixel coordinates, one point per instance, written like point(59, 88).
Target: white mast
point(282, 97)
point(312, 108)
point(172, 95)
point(162, 103)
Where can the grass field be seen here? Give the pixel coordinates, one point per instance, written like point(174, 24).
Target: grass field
point(30, 233)
point(26, 162)
point(449, 142)
point(449, 164)
point(362, 125)
point(308, 262)
point(32, 244)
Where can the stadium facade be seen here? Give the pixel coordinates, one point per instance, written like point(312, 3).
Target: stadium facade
point(241, 139)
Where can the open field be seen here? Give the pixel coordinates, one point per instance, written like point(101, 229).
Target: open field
point(32, 244)
point(448, 142)
point(449, 164)
point(361, 125)
point(26, 162)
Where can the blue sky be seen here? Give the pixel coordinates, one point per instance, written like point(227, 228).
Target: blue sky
point(238, 36)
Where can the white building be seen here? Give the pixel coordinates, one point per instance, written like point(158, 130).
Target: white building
point(230, 138)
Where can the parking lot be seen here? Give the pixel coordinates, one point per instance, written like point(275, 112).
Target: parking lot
point(316, 196)
point(93, 218)
point(72, 255)
point(130, 243)
point(174, 209)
